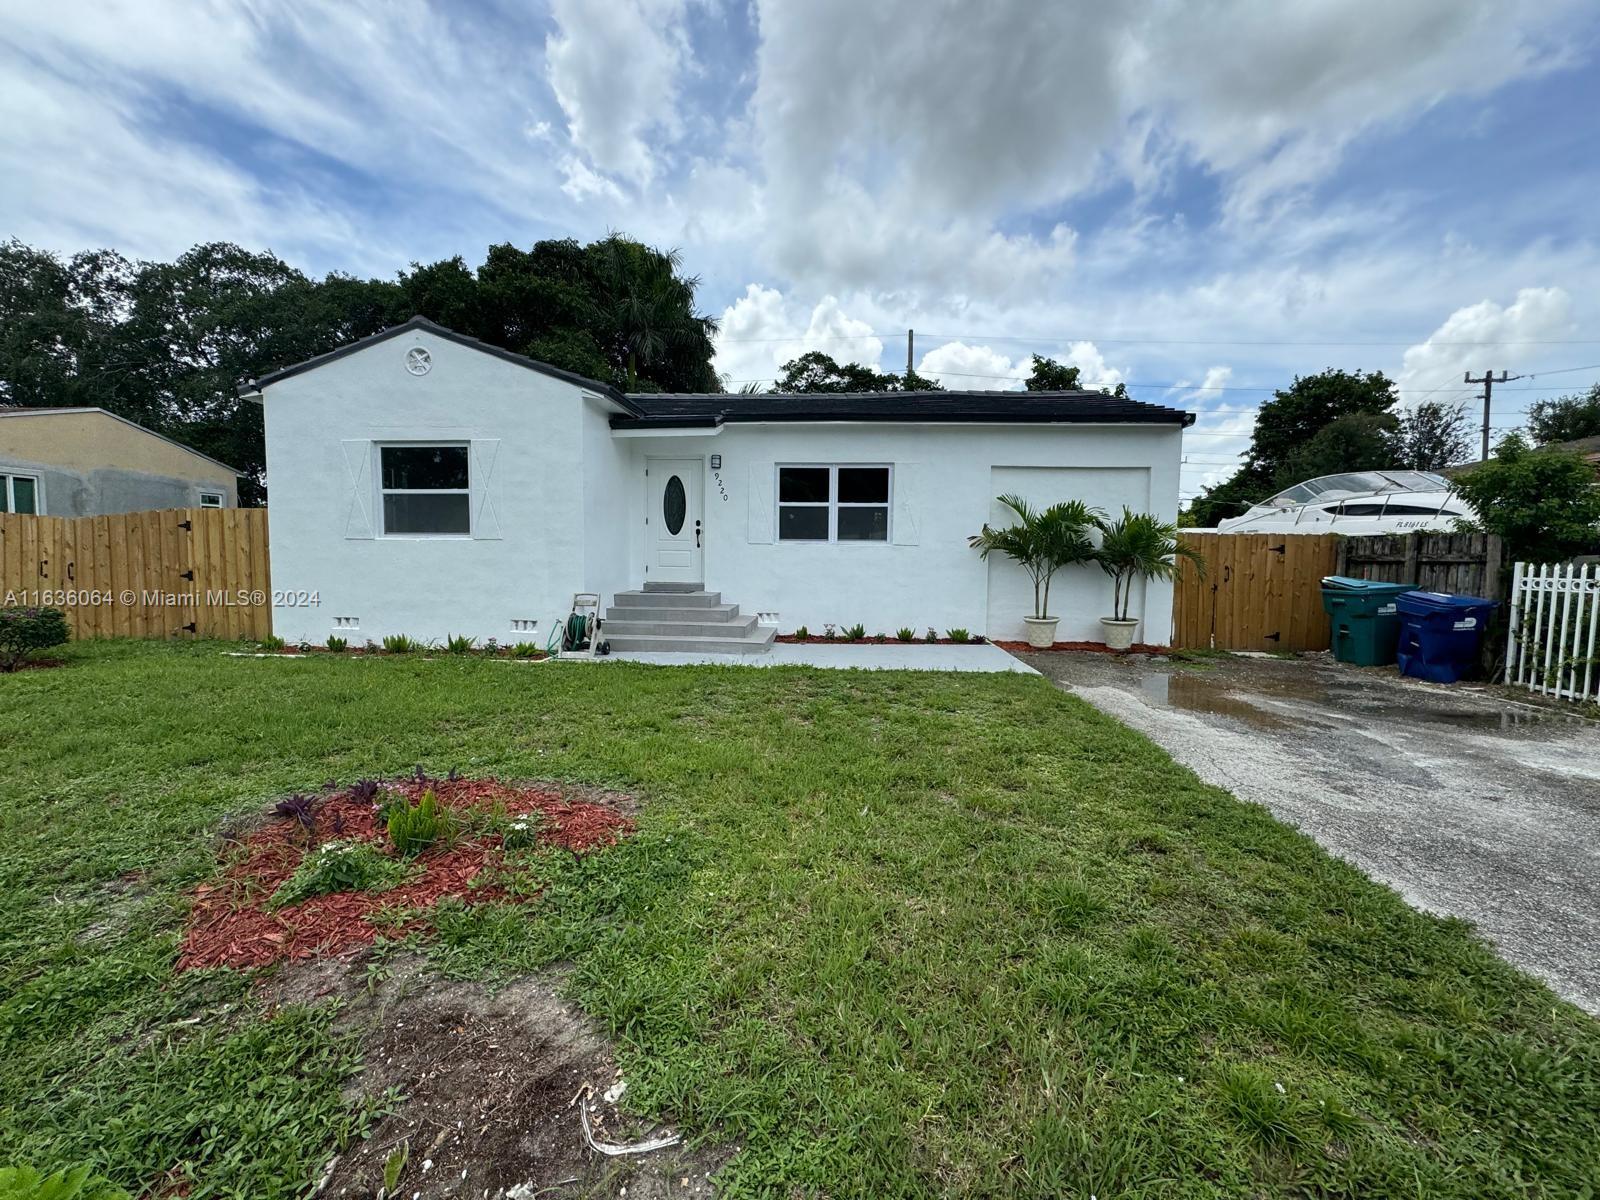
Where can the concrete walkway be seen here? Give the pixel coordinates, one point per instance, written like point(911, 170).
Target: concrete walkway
point(868, 656)
point(1464, 801)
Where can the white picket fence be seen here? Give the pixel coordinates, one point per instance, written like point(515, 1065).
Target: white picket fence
point(1555, 620)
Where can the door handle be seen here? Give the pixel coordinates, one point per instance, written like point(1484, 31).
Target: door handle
point(697, 535)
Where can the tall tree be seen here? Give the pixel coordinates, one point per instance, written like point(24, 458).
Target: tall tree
point(1566, 418)
point(1048, 375)
point(1434, 435)
point(167, 344)
point(816, 372)
point(1284, 426)
point(1359, 441)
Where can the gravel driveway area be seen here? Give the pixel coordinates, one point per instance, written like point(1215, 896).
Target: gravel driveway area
point(1467, 803)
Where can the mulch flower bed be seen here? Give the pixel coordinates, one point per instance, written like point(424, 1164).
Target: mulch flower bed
point(880, 640)
point(233, 925)
point(1099, 647)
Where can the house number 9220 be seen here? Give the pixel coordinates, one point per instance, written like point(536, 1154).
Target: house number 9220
point(721, 491)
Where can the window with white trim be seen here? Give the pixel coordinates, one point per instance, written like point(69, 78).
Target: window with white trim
point(426, 490)
point(19, 493)
point(818, 503)
point(210, 499)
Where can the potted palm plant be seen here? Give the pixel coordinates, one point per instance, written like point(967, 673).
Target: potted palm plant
point(1137, 546)
point(1042, 541)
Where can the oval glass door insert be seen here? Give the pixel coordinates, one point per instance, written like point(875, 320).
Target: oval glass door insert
point(674, 505)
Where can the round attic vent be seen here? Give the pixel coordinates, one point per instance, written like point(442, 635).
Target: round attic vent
point(418, 361)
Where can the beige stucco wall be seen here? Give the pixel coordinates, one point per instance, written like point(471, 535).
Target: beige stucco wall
point(89, 440)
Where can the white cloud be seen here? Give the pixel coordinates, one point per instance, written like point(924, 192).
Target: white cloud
point(761, 331)
point(1481, 337)
point(958, 366)
point(614, 68)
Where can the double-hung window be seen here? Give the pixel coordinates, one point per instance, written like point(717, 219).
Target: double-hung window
point(833, 503)
point(19, 494)
point(210, 499)
point(426, 490)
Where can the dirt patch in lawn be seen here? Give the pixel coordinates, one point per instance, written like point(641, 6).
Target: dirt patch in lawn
point(235, 923)
point(491, 1083)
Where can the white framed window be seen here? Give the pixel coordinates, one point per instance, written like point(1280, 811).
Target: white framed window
point(840, 502)
point(210, 499)
point(425, 490)
point(19, 493)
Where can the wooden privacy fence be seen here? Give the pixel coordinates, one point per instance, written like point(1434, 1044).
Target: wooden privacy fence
point(1555, 629)
point(182, 572)
point(1465, 564)
point(1263, 591)
point(1259, 591)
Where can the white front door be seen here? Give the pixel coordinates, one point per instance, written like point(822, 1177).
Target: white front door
point(673, 520)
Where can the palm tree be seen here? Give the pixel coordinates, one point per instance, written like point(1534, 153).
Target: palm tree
point(1139, 545)
point(1042, 541)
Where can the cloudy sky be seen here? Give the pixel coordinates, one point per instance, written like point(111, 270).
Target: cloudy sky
point(1200, 199)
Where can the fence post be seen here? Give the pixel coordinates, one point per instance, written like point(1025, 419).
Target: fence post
point(1493, 564)
point(1513, 634)
point(1413, 557)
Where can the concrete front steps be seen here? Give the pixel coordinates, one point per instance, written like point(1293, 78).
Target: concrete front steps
point(681, 617)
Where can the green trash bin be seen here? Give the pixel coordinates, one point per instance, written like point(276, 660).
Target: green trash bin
point(1366, 625)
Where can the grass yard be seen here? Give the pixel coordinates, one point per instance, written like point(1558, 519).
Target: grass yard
point(892, 934)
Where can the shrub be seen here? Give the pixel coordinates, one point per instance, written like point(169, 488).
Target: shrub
point(854, 633)
point(458, 644)
point(905, 634)
point(399, 643)
point(828, 631)
point(365, 789)
point(413, 829)
point(958, 635)
point(527, 650)
point(340, 867)
point(802, 633)
point(24, 630)
point(1542, 502)
point(932, 635)
point(337, 644)
point(273, 644)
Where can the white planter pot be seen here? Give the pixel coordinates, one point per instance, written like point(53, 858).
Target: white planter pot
point(1119, 634)
point(1041, 631)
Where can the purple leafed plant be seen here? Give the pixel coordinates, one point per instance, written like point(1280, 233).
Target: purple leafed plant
point(364, 789)
point(298, 808)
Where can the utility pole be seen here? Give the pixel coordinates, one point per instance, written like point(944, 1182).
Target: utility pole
point(1488, 382)
point(911, 335)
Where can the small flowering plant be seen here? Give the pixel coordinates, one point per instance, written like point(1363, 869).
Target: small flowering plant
point(25, 630)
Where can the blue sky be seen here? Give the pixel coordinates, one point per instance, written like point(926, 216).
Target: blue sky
point(1198, 200)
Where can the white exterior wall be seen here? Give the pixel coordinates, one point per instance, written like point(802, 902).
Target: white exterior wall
point(559, 505)
point(526, 556)
point(944, 486)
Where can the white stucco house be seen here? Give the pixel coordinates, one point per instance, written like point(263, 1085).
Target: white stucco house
point(424, 483)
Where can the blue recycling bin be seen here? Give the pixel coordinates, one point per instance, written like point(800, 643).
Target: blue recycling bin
point(1440, 634)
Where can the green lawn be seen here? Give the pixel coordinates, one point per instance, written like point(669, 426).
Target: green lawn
point(893, 934)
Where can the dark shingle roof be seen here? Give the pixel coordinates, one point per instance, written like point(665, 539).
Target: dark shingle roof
point(678, 410)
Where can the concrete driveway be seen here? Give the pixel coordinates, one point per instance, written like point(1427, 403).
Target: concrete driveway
point(1466, 803)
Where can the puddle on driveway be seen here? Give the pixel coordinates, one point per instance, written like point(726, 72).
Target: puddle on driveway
point(1505, 720)
point(1195, 694)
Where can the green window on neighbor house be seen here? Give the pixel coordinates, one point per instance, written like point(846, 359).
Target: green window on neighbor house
point(426, 491)
point(19, 494)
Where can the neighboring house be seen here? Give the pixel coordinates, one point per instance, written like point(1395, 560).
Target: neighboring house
point(87, 462)
point(424, 483)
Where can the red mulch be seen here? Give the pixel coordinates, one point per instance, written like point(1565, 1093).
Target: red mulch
point(1100, 647)
point(231, 925)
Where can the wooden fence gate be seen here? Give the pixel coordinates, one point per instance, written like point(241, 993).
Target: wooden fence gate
point(1259, 591)
point(182, 572)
